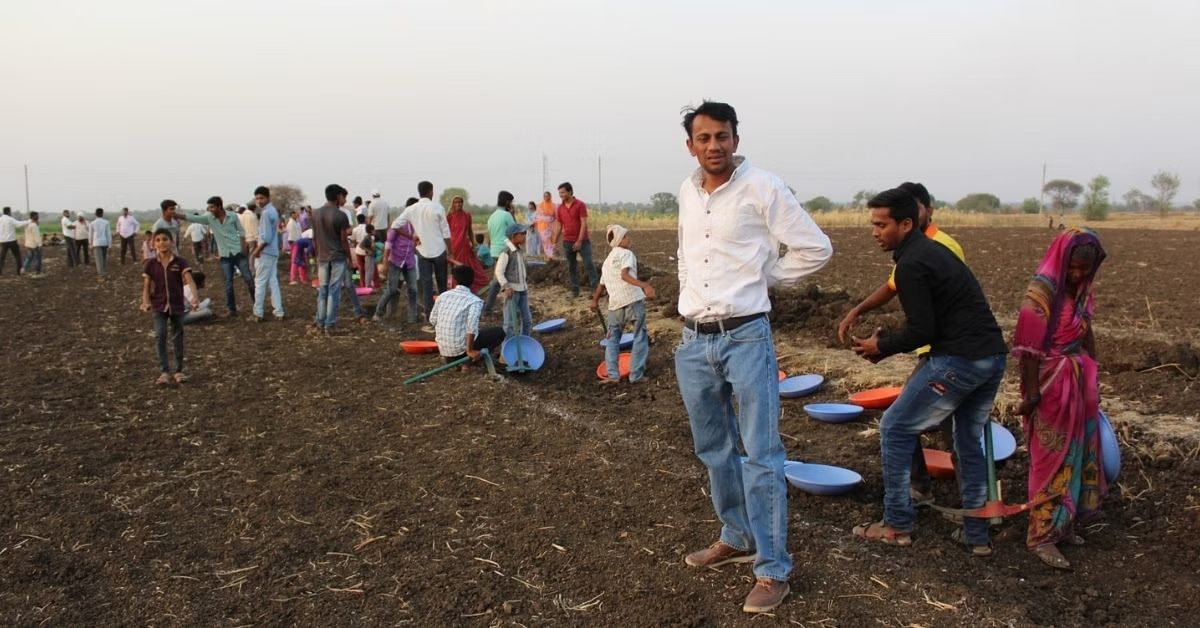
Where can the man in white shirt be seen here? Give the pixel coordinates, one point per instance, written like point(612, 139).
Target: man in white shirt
point(33, 247)
point(83, 252)
point(100, 235)
point(249, 220)
point(732, 219)
point(8, 238)
point(428, 220)
point(127, 228)
point(68, 233)
point(196, 233)
point(378, 213)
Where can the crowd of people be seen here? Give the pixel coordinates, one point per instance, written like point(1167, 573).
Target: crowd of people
point(733, 217)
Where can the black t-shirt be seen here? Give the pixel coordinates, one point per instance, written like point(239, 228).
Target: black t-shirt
point(943, 304)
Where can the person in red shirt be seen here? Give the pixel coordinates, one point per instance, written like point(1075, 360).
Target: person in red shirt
point(572, 215)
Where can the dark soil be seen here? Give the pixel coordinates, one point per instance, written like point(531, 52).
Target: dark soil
point(295, 481)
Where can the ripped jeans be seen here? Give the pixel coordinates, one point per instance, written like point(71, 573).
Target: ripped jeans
point(945, 385)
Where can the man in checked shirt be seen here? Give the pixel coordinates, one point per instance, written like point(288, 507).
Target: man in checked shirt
point(732, 218)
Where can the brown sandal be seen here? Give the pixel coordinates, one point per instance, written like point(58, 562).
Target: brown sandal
point(1050, 555)
point(880, 531)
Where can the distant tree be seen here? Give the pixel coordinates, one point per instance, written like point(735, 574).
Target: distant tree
point(286, 197)
point(448, 194)
point(1031, 206)
point(1196, 204)
point(818, 204)
point(1096, 204)
point(940, 204)
point(1137, 201)
point(1064, 194)
point(862, 196)
point(979, 202)
point(664, 203)
point(1166, 184)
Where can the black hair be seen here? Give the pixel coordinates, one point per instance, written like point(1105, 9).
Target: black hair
point(99, 212)
point(425, 189)
point(216, 200)
point(532, 205)
point(719, 111)
point(124, 209)
point(358, 200)
point(167, 204)
point(478, 238)
point(566, 185)
point(263, 190)
point(919, 192)
point(198, 277)
point(361, 219)
point(166, 232)
point(7, 210)
point(333, 190)
point(1085, 253)
point(899, 202)
point(504, 198)
point(370, 227)
point(33, 215)
point(412, 200)
point(463, 275)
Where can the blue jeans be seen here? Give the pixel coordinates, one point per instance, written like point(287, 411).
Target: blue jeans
point(430, 268)
point(228, 264)
point(943, 386)
point(617, 319)
point(267, 278)
point(750, 499)
point(350, 288)
point(585, 251)
point(330, 276)
point(33, 260)
point(535, 241)
point(395, 276)
point(161, 320)
point(518, 306)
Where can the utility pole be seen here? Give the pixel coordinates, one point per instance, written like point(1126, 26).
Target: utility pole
point(599, 180)
point(26, 189)
point(545, 172)
point(1042, 202)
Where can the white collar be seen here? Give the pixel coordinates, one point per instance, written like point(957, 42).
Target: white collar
point(740, 165)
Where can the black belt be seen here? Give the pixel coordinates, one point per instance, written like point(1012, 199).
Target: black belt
point(723, 325)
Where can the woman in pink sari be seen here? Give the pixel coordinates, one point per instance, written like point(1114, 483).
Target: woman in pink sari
point(1060, 395)
point(462, 242)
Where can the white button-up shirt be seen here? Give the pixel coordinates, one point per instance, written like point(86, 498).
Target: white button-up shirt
point(68, 227)
point(379, 214)
point(8, 228)
point(127, 226)
point(729, 243)
point(428, 220)
point(100, 232)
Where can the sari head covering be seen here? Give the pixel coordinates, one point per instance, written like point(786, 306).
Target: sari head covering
point(1043, 304)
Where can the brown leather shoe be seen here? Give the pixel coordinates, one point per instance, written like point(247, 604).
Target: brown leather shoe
point(766, 595)
point(718, 554)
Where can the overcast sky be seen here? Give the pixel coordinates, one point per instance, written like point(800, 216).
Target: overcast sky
point(126, 102)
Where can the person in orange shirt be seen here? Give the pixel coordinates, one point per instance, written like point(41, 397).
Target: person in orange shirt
point(546, 222)
point(921, 484)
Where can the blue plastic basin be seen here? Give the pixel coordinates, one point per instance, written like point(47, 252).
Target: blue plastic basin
point(553, 324)
point(626, 340)
point(1110, 449)
point(833, 412)
point(531, 352)
point(822, 479)
point(800, 385)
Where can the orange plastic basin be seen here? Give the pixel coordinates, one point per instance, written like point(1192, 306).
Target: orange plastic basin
point(782, 375)
point(624, 362)
point(876, 398)
point(939, 464)
point(418, 346)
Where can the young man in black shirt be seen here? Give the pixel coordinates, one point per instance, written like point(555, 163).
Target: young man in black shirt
point(945, 308)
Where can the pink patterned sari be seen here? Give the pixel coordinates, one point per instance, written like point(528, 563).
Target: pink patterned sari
point(1063, 435)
